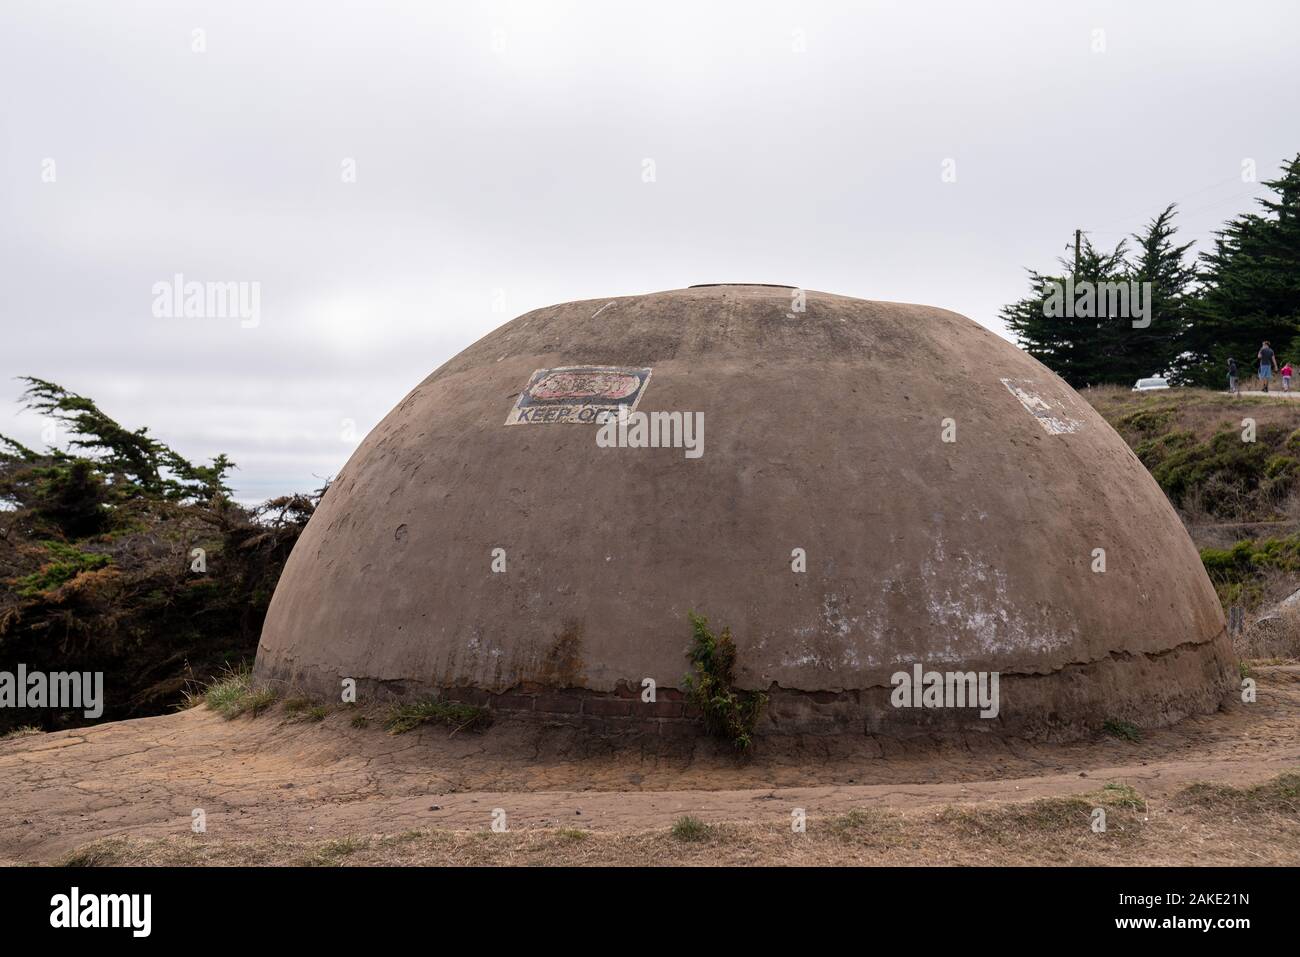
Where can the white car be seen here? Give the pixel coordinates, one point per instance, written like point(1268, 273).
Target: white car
point(1151, 385)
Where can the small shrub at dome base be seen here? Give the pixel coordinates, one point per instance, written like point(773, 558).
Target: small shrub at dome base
point(728, 713)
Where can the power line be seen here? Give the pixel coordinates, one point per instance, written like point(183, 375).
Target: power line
point(1188, 212)
point(1196, 192)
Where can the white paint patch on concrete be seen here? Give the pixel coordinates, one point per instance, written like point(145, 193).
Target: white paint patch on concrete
point(970, 614)
point(829, 643)
point(1053, 420)
point(969, 601)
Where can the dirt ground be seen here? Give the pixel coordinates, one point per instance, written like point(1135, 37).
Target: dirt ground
point(1219, 789)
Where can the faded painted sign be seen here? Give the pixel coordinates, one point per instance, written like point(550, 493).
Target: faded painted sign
point(1050, 414)
point(578, 394)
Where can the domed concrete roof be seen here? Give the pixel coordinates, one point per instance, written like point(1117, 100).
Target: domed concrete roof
point(948, 492)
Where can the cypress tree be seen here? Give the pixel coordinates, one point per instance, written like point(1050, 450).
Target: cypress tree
point(1250, 286)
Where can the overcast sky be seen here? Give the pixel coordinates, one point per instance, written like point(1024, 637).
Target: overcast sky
point(499, 152)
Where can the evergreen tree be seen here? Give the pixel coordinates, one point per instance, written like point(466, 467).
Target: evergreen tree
point(130, 463)
point(1073, 346)
point(1172, 274)
point(1251, 287)
point(1103, 345)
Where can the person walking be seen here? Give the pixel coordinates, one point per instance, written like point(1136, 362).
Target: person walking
point(1286, 377)
point(1232, 376)
point(1267, 363)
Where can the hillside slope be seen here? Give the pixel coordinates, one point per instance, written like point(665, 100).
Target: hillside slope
point(1231, 467)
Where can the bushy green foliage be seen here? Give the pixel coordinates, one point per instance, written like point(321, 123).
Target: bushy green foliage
point(71, 496)
point(156, 626)
point(68, 562)
point(1230, 478)
point(1239, 573)
point(727, 712)
point(1147, 423)
point(1245, 558)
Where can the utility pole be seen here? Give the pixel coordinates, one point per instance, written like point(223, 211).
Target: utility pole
point(1077, 234)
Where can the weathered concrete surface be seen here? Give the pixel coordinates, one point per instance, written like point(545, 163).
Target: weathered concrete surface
point(823, 432)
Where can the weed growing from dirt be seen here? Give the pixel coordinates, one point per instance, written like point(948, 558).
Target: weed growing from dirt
point(687, 828)
point(1122, 795)
point(728, 713)
point(460, 717)
point(1125, 730)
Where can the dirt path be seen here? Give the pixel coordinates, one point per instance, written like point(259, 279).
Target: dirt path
point(275, 779)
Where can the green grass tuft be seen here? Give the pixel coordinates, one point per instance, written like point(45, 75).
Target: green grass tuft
point(1122, 795)
point(233, 694)
point(689, 828)
point(1119, 728)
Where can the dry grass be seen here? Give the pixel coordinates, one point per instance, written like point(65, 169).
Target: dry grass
point(1203, 824)
point(25, 731)
point(410, 715)
point(1279, 796)
point(305, 709)
point(1201, 411)
point(1274, 639)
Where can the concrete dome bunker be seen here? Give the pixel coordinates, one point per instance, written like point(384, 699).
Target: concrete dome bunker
point(948, 491)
